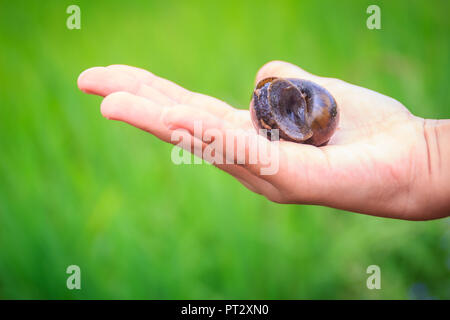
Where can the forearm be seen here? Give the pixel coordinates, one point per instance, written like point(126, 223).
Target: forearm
point(437, 137)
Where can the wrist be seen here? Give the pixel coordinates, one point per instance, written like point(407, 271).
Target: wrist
point(437, 139)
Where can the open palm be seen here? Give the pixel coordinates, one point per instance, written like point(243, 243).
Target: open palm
point(371, 165)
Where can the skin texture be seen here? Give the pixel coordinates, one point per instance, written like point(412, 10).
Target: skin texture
point(382, 160)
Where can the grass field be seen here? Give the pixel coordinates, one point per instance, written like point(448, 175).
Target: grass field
point(78, 189)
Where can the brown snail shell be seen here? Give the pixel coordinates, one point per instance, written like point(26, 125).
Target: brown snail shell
point(301, 110)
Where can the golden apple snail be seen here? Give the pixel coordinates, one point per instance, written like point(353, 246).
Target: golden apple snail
point(301, 110)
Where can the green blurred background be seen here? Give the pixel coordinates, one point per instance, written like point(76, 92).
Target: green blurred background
point(78, 189)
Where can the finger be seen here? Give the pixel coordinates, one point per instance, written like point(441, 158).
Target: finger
point(154, 95)
point(145, 115)
point(103, 81)
point(198, 123)
point(287, 70)
point(137, 111)
point(234, 145)
point(184, 139)
point(175, 92)
point(166, 87)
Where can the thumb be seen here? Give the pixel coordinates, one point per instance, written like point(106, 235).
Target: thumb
point(287, 70)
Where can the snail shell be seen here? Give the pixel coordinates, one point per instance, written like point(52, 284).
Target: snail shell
point(301, 110)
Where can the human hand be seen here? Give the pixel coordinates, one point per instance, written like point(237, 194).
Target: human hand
point(381, 160)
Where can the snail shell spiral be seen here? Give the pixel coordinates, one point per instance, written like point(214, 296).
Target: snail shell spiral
point(301, 110)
